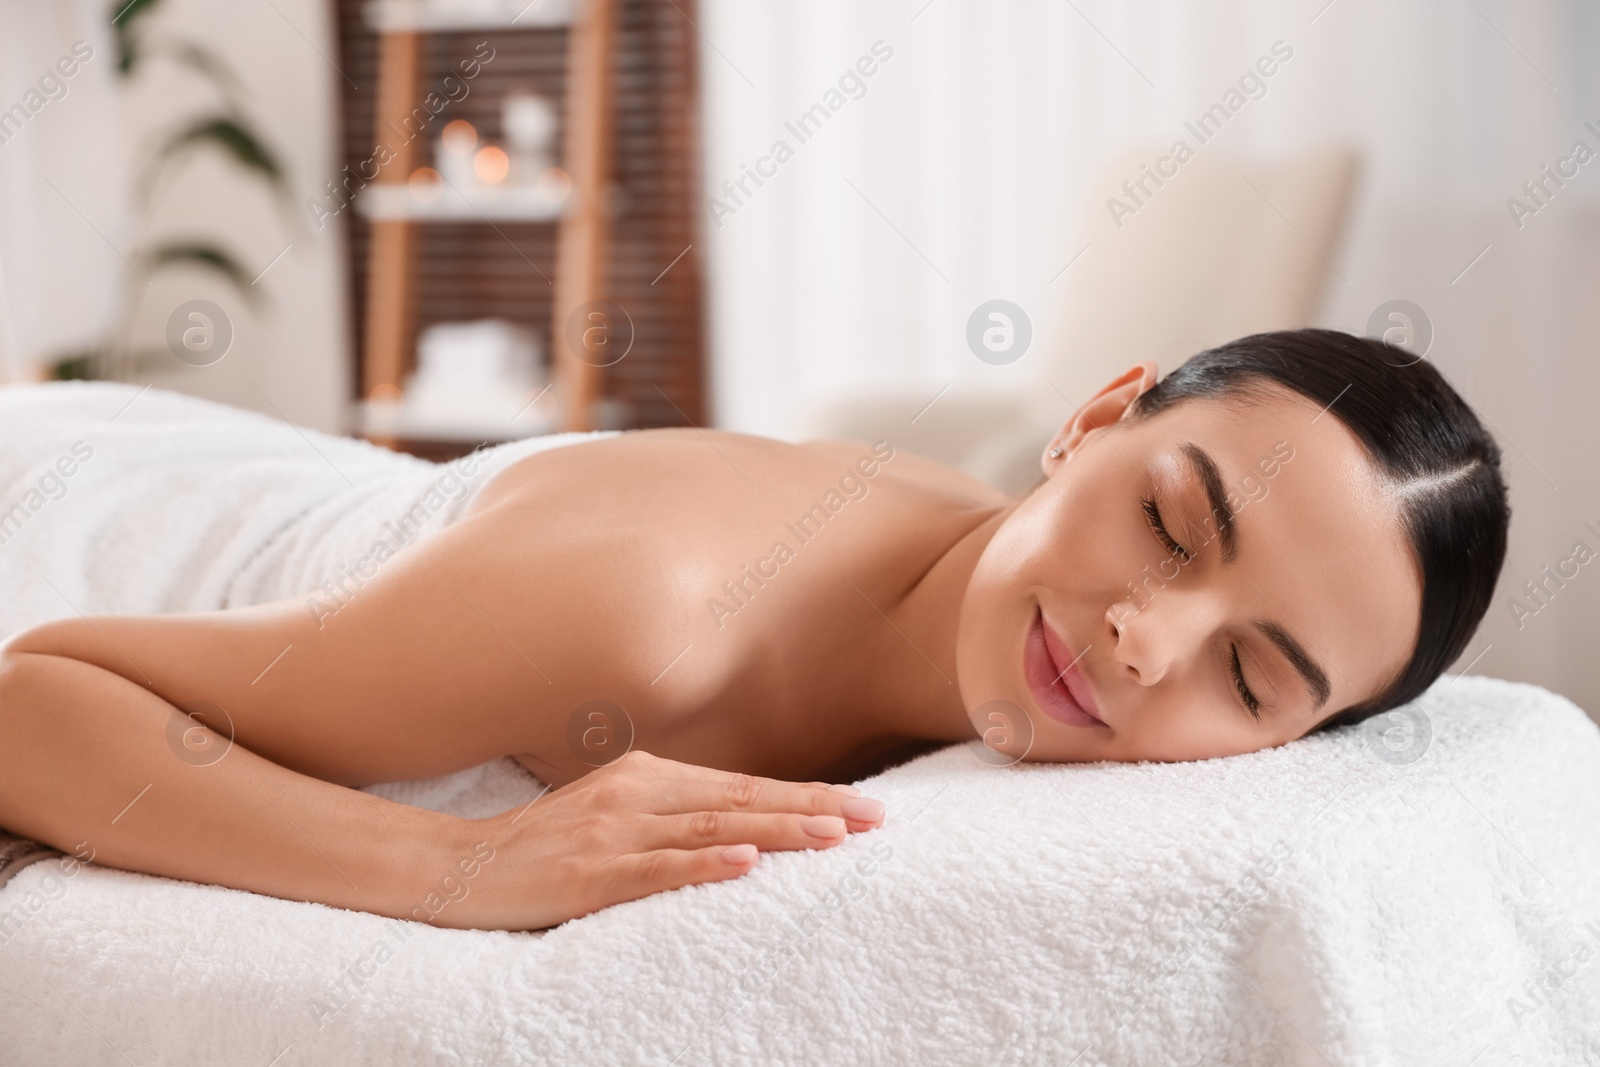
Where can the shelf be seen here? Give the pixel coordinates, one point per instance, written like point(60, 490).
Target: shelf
point(388, 419)
point(572, 198)
point(424, 16)
point(495, 203)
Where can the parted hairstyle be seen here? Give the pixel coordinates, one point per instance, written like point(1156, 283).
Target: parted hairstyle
point(1420, 435)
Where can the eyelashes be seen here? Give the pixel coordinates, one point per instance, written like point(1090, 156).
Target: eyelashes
point(1152, 514)
point(1251, 703)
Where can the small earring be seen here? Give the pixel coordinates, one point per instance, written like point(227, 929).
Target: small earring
point(1055, 453)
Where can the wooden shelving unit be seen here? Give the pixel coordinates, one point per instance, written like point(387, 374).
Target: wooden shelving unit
point(395, 215)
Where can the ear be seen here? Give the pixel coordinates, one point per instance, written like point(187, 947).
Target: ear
point(1107, 407)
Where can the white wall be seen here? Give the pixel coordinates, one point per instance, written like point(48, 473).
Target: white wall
point(60, 275)
point(291, 356)
point(961, 175)
point(65, 276)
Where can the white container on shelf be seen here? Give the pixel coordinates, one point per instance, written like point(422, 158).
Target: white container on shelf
point(543, 201)
point(529, 122)
point(406, 16)
point(485, 373)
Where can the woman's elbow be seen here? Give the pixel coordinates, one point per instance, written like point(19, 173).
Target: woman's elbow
point(58, 637)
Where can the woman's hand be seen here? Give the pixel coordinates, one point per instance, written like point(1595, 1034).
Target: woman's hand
point(637, 826)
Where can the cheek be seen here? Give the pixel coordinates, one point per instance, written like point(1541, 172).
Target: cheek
point(997, 605)
point(1075, 533)
point(1067, 545)
point(1174, 727)
point(1076, 544)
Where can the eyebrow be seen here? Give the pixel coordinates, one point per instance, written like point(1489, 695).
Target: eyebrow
point(1205, 468)
point(1310, 671)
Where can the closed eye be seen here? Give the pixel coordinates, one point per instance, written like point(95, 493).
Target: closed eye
point(1251, 703)
point(1152, 514)
point(1247, 697)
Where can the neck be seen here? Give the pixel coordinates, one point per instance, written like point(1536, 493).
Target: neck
point(926, 702)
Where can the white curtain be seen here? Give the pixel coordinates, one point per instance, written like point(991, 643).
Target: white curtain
point(960, 173)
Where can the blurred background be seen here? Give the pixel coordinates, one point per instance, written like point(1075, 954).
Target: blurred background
point(440, 222)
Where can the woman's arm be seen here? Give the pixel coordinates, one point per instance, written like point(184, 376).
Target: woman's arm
point(96, 765)
point(477, 642)
point(93, 763)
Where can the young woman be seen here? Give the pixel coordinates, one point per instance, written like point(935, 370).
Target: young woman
point(1290, 531)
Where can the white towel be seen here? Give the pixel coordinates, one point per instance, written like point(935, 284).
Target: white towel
point(116, 499)
point(1425, 890)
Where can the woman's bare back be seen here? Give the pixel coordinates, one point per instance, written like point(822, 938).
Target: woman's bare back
point(727, 592)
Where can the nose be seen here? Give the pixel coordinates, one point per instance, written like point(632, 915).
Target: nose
point(1149, 637)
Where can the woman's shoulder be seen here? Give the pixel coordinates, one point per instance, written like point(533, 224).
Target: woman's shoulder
point(912, 469)
point(709, 467)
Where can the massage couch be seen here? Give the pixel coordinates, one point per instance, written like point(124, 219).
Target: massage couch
point(1423, 889)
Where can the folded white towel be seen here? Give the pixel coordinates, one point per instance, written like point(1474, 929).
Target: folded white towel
point(1422, 891)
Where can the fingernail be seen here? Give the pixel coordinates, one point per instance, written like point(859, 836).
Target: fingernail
point(862, 809)
point(822, 825)
point(847, 790)
point(739, 855)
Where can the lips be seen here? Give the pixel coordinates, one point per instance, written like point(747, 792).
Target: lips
point(1060, 691)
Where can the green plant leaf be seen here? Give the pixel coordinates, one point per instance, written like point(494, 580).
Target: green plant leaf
point(234, 138)
point(207, 256)
point(203, 61)
point(123, 14)
point(229, 134)
point(76, 366)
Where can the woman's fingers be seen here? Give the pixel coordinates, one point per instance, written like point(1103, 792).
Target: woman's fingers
point(769, 833)
point(642, 763)
point(672, 797)
point(642, 873)
point(641, 825)
point(674, 787)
